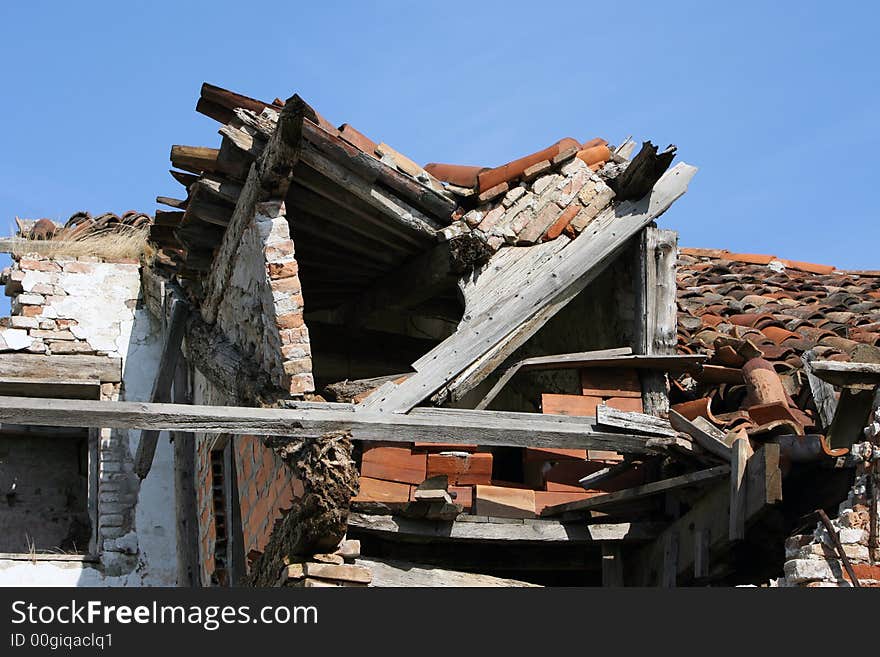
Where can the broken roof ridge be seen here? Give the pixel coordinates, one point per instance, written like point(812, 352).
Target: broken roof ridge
point(758, 259)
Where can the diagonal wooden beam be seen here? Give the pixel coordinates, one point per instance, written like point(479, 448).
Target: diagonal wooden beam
point(639, 492)
point(550, 288)
point(143, 460)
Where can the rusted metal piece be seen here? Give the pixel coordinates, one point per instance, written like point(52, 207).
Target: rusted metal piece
point(839, 547)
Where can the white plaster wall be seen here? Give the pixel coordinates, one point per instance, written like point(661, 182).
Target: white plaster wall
point(97, 302)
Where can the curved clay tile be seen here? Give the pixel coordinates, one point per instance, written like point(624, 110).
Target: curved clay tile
point(779, 334)
point(512, 170)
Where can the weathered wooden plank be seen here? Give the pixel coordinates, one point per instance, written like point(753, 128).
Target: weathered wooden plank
point(593, 480)
point(568, 272)
point(656, 328)
point(29, 387)
point(404, 574)
point(860, 376)
point(473, 427)
point(634, 422)
point(161, 392)
point(711, 513)
point(705, 440)
point(391, 206)
point(638, 492)
point(61, 368)
point(739, 460)
point(824, 396)
point(422, 196)
point(523, 530)
point(268, 178)
point(612, 565)
point(185, 502)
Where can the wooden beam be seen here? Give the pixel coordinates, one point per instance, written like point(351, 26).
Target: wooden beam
point(612, 565)
point(161, 392)
point(711, 514)
point(185, 498)
point(435, 204)
point(633, 422)
point(703, 438)
point(593, 479)
point(268, 178)
point(552, 286)
point(482, 528)
point(61, 368)
point(740, 457)
point(656, 325)
point(29, 387)
point(394, 573)
point(823, 393)
point(549, 362)
point(316, 419)
point(395, 208)
point(856, 376)
point(639, 492)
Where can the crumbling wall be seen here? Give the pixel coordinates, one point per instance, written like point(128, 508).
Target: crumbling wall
point(812, 559)
point(267, 486)
point(262, 309)
point(83, 306)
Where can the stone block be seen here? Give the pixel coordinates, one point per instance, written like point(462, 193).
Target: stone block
point(798, 571)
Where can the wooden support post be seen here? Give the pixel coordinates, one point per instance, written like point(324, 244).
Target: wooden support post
point(702, 540)
point(612, 565)
point(669, 576)
point(143, 460)
point(656, 319)
point(739, 459)
point(185, 504)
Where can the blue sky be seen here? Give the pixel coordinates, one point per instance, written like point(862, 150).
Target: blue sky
point(776, 103)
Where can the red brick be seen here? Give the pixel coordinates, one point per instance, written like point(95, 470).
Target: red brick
point(39, 265)
point(289, 321)
point(377, 490)
point(31, 311)
point(556, 228)
point(79, 267)
point(610, 382)
point(580, 405)
point(504, 502)
point(279, 250)
point(289, 284)
point(282, 269)
point(462, 470)
point(394, 464)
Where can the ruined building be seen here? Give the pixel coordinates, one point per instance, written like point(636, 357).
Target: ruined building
point(327, 365)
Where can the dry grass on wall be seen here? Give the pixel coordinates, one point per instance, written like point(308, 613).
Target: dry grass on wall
point(118, 243)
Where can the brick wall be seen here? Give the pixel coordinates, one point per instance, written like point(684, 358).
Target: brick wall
point(204, 501)
point(262, 309)
point(266, 489)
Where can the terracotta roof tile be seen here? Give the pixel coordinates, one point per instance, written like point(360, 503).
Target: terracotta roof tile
point(724, 297)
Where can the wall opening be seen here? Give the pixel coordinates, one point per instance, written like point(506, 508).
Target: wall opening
point(45, 478)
